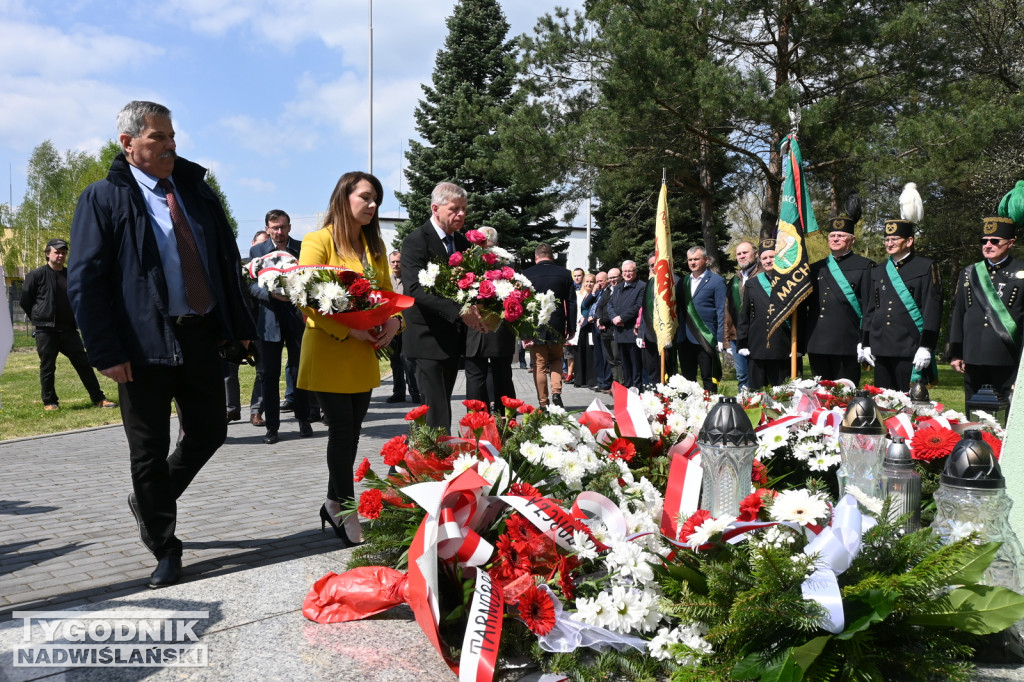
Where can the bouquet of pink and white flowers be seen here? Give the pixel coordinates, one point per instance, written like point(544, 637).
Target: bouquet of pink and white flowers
point(483, 276)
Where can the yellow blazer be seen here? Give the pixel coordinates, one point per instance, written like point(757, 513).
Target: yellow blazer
point(326, 363)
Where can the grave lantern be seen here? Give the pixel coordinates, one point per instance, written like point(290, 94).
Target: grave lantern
point(902, 483)
point(986, 399)
point(727, 445)
point(861, 440)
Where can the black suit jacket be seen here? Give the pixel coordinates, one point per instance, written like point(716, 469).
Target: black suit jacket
point(433, 327)
point(971, 336)
point(548, 275)
point(752, 327)
point(888, 327)
point(829, 323)
point(625, 302)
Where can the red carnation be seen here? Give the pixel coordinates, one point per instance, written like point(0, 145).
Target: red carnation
point(475, 405)
point(621, 448)
point(348, 276)
point(364, 466)
point(933, 443)
point(525, 409)
point(752, 504)
point(476, 421)
point(490, 258)
point(513, 309)
point(523, 489)
point(993, 440)
point(511, 403)
point(698, 517)
point(455, 259)
point(487, 289)
point(537, 610)
point(476, 237)
point(370, 504)
point(467, 280)
point(416, 412)
point(394, 451)
point(359, 288)
point(759, 474)
point(873, 390)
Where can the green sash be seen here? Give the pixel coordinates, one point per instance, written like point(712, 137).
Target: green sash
point(915, 314)
point(701, 331)
point(994, 306)
point(844, 285)
point(737, 299)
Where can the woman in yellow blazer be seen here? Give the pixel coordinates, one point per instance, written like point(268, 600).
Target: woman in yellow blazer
point(338, 362)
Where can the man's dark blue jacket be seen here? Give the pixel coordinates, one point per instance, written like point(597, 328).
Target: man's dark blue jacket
point(116, 281)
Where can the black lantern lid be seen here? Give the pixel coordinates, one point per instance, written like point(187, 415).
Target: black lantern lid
point(862, 416)
point(727, 424)
point(919, 393)
point(972, 464)
point(897, 455)
point(985, 397)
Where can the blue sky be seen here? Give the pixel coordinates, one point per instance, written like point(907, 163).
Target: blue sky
point(270, 94)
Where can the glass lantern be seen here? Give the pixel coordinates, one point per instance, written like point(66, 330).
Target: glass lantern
point(902, 483)
point(861, 439)
point(727, 446)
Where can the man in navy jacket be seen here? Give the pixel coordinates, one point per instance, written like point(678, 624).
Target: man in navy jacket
point(156, 289)
point(699, 339)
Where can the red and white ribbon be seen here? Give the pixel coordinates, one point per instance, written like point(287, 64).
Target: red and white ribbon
point(629, 413)
point(682, 493)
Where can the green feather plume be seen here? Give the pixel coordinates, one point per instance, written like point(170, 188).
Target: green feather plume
point(1012, 205)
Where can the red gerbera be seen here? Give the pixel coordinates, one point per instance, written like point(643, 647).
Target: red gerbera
point(370, 504)
point(759, 474)
point(566, 566)
point(698, 517)
point(364, 466)
point(513, 558)
point(475, 405)
point(933, 443)
point(537, 610)
point(394, 451)
point(752, 504)
point(621, 448)
point(993, 440)
point(416, 412)
point(523, 489)
point(519, 529)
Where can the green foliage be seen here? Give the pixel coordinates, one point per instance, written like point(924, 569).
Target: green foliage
point(211, 180)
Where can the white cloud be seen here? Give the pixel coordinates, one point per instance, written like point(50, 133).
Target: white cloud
point(35, 49)
point(257, 185)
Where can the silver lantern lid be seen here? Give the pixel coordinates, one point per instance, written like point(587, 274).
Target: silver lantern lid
point(897, 455)
point(727, 425)
point(862, 416)
point(919, 393)
point(972, 464)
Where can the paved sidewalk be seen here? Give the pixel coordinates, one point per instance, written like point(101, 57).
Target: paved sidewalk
point(67, 537)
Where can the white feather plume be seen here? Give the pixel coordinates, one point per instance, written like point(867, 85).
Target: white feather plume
point(911, 206)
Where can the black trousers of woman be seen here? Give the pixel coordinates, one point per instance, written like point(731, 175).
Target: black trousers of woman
point(345, 413)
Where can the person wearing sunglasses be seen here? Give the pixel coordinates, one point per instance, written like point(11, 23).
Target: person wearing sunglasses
point(901, 323)
point(988, 312)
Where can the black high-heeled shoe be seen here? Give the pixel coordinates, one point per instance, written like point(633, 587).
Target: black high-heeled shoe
point(339, 530)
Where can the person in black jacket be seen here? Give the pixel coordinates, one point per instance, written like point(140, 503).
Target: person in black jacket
point(767, 352)
point(156, 288)
point(435, 332)
point(44, 298)
point(623, 310)
point(547, 349)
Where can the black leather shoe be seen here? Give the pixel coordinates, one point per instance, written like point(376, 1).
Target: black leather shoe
point(287, 406)
point(133, 505)
point(556, 399)
point(168, 572)
point(270, 438)
point(234, 415)
point(305, 429)
point(396, 398)
point(416, 399)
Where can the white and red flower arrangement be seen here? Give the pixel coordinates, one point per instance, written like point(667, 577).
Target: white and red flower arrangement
point(270, 271)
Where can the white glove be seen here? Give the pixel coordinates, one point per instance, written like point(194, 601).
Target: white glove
point(868, 357)
point(860, 353)
point(922, 358)
point(720, 347)
point(729, 351)
point(744, 352)
point(639, 342)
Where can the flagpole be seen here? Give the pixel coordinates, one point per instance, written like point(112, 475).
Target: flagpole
point(792, 345)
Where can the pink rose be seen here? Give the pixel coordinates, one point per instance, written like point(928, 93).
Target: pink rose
point(513, 309)
point(467, 280)
point(490, 258)
point(455, 259)
point(476, 237)
point(493, 275)
point(486, 289)
point(508, 273)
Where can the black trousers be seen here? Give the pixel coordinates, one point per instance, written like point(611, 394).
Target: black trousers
point(693, 357)
point(834, 367)
point(488, 379)
point(892, 372)
point(1000, 378)
point(196, 386)
point(50, 343)
point(585, 372)
point(437, 381)
point(270, 357)
point(761, 373)
point(651, 358)
point(345, 413)
point(632, 365)
point(613, 358)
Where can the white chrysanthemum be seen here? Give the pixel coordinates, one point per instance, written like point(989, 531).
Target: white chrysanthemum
point(641, 520)
point(523, 281)
point(532, 452)
point(676, 423)
point(503, 287)
point(630, 560)
point(872, 504)
point(552, 457)
point(798, 506)
point(496, 472)
point(572, 471)
point(823, 461)
point(267, 279)
point(594, 611)
point(545, 306)
point(628, 608)
point(428, 275)
point(805, 451)
point(588, 458)
point(644, 490)
point(651, 404)
point(501, 253)
point(462, 296)
point(703, 533)
point(555, 410)
point(953, 414)
point(331, 298)
point(584, 546)
point(297, 293)
point(681, 384)
point(952, 531)
point(557, 435)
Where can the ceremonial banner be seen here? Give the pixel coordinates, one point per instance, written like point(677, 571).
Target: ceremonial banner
point(664, 313)
point(791, 282)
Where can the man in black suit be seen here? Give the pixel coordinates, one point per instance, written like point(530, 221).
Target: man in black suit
point(831, 316)
point(767, 351)
point(547, 275)
point(489, 357)
point(606, 331)
point(156, 287)
point(435, 327)
point(984, 332)
point(279, 326)
point(624, 309)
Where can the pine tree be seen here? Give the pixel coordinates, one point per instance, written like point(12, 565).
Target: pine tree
point(472, 90)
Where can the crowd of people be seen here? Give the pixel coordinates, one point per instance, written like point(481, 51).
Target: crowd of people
point(157, 292)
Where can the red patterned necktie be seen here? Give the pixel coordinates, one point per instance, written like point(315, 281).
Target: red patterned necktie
point(196, 291)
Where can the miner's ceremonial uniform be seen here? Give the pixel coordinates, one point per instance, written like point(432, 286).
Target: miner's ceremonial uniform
point(833, 315)
point(768, 361)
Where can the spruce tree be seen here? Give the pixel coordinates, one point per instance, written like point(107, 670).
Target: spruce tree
point(473, 89)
